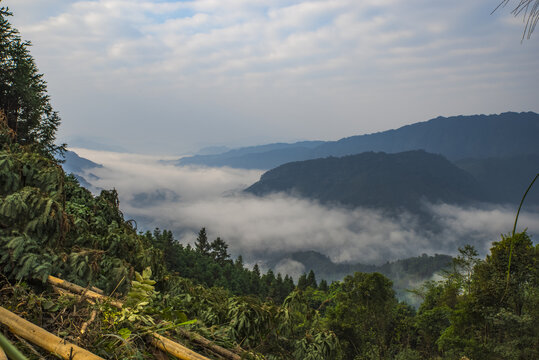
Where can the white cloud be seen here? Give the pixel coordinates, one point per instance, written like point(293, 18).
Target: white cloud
point(256, 227)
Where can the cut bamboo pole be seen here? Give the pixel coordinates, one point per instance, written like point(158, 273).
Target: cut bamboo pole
point(43, 338)
point(80, 290)
point(175, 349)
point(200, 340)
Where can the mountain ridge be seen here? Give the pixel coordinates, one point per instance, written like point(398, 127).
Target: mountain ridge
point(455, 137)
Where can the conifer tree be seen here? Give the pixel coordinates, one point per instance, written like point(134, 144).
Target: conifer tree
point(218, 250)
point(202, 245)
point(323, 285)
point(311, 280)
point(302, 282)
point(23, 93)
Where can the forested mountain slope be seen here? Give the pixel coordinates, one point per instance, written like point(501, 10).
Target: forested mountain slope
point(371, 179)
point(505, 179)
point(457, 137)
point(403, 180)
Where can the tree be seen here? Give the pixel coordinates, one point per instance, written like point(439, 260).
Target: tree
point(218, 250)
point(361, 315)
point(302, 282)
point(311, 280)
point(202, 245)
point(490, 282)
point(463, 267)
point(23, 93)
point(323, 286)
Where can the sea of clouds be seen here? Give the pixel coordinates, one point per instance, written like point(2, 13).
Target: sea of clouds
point(156, 193)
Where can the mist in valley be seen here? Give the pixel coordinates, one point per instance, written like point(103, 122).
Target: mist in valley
point(185, 199)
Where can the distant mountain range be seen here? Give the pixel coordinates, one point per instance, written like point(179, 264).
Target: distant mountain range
point(256, 157)
point(458, 137)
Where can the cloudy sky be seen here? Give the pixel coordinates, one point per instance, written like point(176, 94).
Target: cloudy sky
point(169, 77)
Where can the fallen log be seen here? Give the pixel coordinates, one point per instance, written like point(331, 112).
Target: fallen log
point(43, 338)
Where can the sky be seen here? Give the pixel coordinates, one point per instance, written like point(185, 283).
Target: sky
point(185, 199)
point(171, 77)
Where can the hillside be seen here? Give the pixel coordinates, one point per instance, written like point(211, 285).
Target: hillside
point(458, 137)
point(505, 179)
point(371, 179)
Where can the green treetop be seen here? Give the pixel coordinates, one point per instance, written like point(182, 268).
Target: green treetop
point(28, 114)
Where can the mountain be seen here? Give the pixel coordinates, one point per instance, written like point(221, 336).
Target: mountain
point(79, 167)
point(506, 179)
point(389, 181)
point(256, 157)
point(76, 164)
point(213, 150)
point(458, 137)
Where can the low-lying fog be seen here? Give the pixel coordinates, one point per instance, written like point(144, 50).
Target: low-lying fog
point(184, 199)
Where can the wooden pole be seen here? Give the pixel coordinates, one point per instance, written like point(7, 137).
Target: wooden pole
point(43, 338)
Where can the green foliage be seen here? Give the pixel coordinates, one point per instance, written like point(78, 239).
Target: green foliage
point(50, 225)
point(209, 264)
point(23, 94)
point(361, 317)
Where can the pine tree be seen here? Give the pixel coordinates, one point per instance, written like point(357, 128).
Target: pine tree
point(239, 262)
point(302, 282)
point(288, 283)
point(23, 93)
point(323, 286)
point(218, 250)
point(202, 245)
point(311, 280)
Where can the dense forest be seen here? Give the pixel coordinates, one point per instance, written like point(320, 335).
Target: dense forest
point(51, 225)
